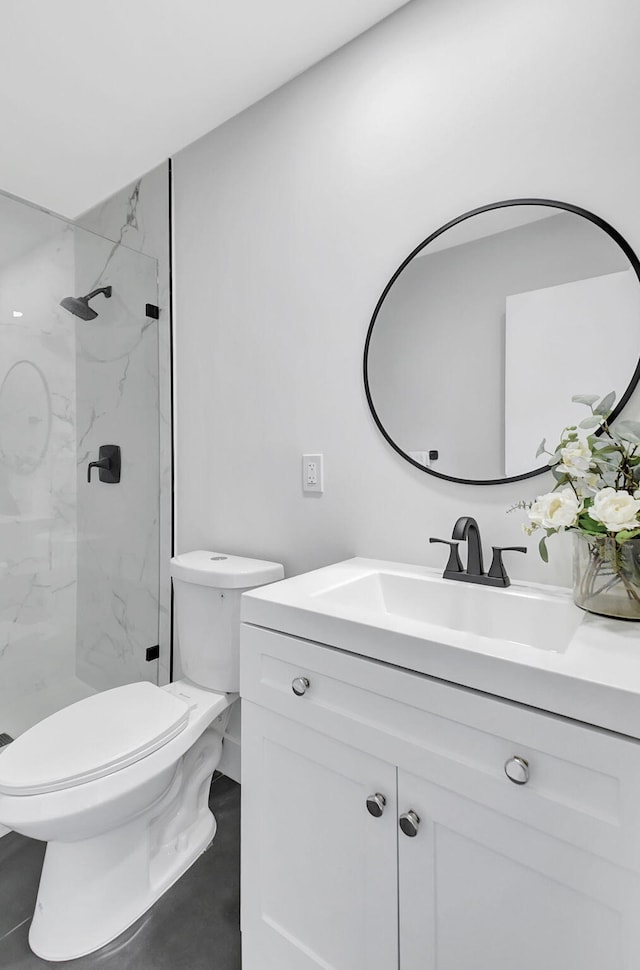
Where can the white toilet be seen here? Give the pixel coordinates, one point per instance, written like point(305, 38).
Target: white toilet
point(118, 784)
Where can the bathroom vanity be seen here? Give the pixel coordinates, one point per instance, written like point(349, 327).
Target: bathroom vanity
point(424, 796)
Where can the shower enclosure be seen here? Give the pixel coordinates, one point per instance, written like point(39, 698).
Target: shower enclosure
point(79, 560)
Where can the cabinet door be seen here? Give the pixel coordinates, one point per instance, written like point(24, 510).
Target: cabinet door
point(319, 873)
point(480, 890)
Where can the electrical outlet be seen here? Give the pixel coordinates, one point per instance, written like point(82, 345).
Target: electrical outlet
point(312, 473)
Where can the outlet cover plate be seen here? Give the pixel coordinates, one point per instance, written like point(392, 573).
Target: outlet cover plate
point(312, 473)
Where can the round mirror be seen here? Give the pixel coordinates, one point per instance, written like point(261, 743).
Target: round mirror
point(490, 326)
point(25, 417)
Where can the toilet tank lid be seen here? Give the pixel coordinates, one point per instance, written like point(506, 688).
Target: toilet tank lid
point(207, 568)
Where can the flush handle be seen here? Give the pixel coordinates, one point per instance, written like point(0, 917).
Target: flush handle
point(517, 770)
point(300, 685)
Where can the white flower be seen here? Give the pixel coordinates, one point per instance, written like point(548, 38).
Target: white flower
point(586, 485)
point(576, 459)
point(556, 510)
point(616, 510)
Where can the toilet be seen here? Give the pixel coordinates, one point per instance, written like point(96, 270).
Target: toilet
point(118, 784)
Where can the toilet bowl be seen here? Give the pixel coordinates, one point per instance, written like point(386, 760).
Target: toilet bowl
point(118, 783)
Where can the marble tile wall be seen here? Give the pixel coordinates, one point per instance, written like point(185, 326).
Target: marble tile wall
point(118, 524)
point(136, 218)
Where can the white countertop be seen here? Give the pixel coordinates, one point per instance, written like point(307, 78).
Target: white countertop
point(595, 678)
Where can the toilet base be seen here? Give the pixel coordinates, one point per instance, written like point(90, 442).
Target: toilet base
point(92, 890)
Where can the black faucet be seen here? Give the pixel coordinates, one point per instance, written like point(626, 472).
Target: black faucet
point(466, 528)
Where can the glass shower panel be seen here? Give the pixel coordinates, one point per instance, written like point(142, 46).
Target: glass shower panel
point(117, 404)
point(37, 468)
point(78, 563)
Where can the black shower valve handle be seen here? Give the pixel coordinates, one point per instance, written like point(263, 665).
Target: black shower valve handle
point(108, 463)
point(101, 463)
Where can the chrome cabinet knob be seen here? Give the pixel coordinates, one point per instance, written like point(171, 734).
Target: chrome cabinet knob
point(300, 685)
point(409, 823)
point(517, 770)
point(375, 804)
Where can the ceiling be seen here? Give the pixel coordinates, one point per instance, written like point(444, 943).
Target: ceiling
point(93, 93)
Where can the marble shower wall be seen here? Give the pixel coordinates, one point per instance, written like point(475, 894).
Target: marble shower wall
point(137, 218)
point(117, 403)
point(37, 469)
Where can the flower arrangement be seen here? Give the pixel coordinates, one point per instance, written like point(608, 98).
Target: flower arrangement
point(597, 497)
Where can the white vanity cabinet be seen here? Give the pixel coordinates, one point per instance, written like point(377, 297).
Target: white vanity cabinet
point(543, 875)
point(320, 873)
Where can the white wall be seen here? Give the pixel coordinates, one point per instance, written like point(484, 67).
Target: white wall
point(290, 218)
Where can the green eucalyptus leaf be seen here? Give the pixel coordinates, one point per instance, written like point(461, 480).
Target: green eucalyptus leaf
point(542, 549)
point(591, 422)
point(541, 448)
point(606, 404)
point(629, 430)
point(603, 448)
point(587, 399)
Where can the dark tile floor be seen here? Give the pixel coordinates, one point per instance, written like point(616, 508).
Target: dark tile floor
point(194, 926)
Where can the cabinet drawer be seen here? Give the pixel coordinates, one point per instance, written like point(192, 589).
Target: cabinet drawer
point(584, 783)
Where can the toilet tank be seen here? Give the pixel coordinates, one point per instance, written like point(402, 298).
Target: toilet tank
point(207, 588)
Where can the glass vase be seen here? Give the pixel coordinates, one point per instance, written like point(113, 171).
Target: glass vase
point(606, 576)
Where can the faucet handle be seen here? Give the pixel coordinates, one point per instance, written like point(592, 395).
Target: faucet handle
point(497, 570)
point(454, 563)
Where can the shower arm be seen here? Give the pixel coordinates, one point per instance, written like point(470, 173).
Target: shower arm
point(101, 289)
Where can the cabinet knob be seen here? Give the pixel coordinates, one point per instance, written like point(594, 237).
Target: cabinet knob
point(517, 770)
point(300, 685)
point(375, 804)
point(409, 823)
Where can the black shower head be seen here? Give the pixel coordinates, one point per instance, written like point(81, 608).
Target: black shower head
point(79, 305)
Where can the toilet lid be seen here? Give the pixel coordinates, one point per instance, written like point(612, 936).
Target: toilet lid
point(92, 738)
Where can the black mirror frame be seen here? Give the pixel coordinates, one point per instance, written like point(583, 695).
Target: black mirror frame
point(577, 210)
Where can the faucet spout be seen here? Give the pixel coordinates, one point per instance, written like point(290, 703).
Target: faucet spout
point(466, 528)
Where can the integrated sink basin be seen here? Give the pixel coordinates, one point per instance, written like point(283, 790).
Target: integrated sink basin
point(528, 643)
point(521, 615)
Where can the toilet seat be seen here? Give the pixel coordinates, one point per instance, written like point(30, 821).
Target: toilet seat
point(92, 738)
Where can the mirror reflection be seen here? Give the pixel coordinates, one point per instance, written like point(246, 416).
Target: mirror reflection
point(25, 417)
point(486, 332)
